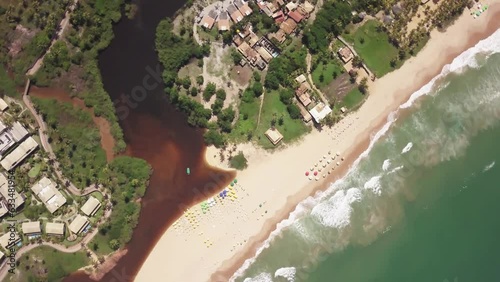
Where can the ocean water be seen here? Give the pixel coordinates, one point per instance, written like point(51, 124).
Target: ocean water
point(420, 204)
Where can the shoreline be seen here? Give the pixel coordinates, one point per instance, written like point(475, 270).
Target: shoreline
point(293, 187)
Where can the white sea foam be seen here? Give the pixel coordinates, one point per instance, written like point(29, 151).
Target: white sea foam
point(396, 169)
point(386, 165)
point(263, 277)
point(286, 272)
point(374, 185)
point(407, 148)
point(465, 60)
point(336, 211)
point(488, 167)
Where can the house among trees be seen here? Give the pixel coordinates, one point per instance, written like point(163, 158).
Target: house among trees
point(234, 13)
point(264, 54)
point(306, 8)
point(345, 54)
point(31, 228)
point(243, 7)
point(223, 21)
point(208, 20)
point(288, 26)
point(54, 228)
point(10, 136)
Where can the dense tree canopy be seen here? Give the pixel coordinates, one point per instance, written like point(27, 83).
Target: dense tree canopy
point(331, 19)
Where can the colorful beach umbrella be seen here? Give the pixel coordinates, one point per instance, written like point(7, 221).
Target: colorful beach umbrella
point(307, 173)
point(315, 173)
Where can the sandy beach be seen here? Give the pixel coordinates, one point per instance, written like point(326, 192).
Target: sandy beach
point(213, 239)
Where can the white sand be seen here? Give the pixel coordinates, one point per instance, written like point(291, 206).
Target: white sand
point(221, 238)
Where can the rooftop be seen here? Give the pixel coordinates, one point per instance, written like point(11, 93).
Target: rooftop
point(19, 154)
point(345, 54)
point(91, 206)
point(6, 241)
point(234, 13)
point(78, 224)
point(3, 105)
point(264, 54)
point(243, 7)
point(319, 112)
point(274, 135)
point(32, 227)
point(288, 26)
point(301, 78)
point(296, 16)
point(54, 228)
point(46, 190)
point(4, 191)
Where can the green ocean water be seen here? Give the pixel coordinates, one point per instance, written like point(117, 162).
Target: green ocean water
point(422, 204)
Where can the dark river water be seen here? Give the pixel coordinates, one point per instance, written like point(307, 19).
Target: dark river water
point(154, 131)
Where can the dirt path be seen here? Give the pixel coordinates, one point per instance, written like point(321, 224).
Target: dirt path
point(62, 27)
point(260, 108)
point(311, 81)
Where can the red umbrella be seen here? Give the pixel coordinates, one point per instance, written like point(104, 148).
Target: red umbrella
point(307, 173)
point(315, 173)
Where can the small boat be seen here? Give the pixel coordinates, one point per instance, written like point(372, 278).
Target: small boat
point(188, 171)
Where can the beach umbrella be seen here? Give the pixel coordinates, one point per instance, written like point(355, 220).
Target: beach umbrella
point(324, 165)
point(307, 173)
point(342, 159)
point(338, 163)
point(311, 169)
point(329, 152)
point(338, 154)
point(329, 161)
point(316, 178)
point(316, 164)
point(319, 169)
point(315, 173)
point(324, 156)
point(310, 177)
point(235, 181)
point(324, 176)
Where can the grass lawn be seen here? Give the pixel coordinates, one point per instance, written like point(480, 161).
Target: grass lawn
point(100, 245)
point(57, 264)
point(206, 34)
point(291, 129)
point(327, 71)
point(35, 170)
point(247, 122)
point(97, 195)
point(376, 51)
point(352, 100)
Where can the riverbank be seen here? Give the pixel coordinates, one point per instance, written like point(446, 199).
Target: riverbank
point(265, 187)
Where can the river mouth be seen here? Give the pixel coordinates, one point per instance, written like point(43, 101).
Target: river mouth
point(154, 131)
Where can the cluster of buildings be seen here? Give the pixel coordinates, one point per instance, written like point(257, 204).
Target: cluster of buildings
point(80, 223)
point(15, 145)
point(286, 15)
point(258, 52)
point(235, 11)
point(308, 109)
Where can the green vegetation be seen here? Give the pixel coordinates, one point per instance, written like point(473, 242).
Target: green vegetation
point(127, 179)
point(352, 100)
point(283, 69)
point(247, 122)
point(275, 113)
point(35, 170)
point(39, 21)
point(47, 264)
point(7, 86)
point(75, 140)
point(326, 71)
point(330, 20)
point(372, 44)
point(239, 161)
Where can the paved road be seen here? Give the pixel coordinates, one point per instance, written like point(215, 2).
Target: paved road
point(62, 27)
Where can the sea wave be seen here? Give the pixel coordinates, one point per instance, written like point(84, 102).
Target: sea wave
point(488, 167)
point(407, 148)
point(336, 210)
point(286, 272)
point(386, 165)
point(467, 59)
point(263, 277)
point(374, 185)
